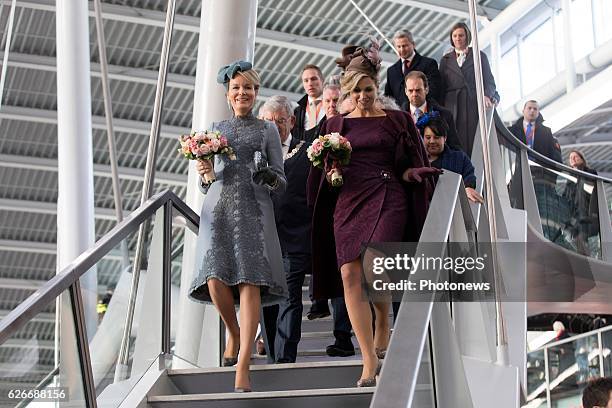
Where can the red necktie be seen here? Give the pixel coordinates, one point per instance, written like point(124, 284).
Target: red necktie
point(406, 66)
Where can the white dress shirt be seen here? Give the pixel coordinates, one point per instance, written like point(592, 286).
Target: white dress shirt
point(307, 122)
point(285, 146)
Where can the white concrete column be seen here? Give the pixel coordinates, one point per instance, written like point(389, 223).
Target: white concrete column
point(75, 203)
point(570, 69)
point(227, 34)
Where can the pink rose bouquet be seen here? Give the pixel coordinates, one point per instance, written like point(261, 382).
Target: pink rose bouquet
point(331, 147)
point(204, 146)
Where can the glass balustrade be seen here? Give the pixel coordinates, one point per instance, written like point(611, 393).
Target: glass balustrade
point(567, 204)
point(570, 365)
point(28, 359)
point(536, 374)
point(113, 380)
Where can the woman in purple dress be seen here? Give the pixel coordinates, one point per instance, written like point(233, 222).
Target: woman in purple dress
point(384, 198)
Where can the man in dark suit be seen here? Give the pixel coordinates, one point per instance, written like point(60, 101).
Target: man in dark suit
point(530, 130)
point(410, 60)
point(282, 323)
point(418, 103)
point(309, 111)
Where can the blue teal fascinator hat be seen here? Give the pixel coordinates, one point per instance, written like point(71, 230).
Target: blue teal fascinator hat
point(227, 72)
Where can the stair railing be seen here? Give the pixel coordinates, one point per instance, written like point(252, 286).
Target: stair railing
point(68, 280)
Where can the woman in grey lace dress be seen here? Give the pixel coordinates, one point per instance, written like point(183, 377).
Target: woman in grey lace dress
point(239, 256)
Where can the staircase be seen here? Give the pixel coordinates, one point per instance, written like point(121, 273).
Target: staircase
point(315, 381)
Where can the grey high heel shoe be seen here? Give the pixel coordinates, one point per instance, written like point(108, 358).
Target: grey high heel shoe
point(381, 353)
point(229, 361)
point(370, 382)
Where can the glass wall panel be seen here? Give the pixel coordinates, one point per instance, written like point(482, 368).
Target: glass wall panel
point(538, 57)
point(582, 28)
point(602, 11)
point(510, 81)
point(570, 366)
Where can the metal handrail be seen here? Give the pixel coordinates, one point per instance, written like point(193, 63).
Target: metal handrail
point(390, 392)
point(573, 338)
point(539, 158)
point(41, 383)
point(70, 275)
point(147, 183)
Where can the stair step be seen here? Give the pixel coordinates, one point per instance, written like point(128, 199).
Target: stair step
point(270, 377)
point(324, 324)
point(328, 398)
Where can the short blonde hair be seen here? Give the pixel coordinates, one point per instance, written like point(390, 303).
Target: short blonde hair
point(251, 76)
point(350, 79)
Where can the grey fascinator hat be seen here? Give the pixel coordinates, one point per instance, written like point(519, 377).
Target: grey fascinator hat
point(227, 72)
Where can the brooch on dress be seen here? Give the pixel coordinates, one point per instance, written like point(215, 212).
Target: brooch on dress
point(294, 151)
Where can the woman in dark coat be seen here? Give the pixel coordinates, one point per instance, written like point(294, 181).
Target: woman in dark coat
point(387, 181)
point(584, 220)
point(459, 85)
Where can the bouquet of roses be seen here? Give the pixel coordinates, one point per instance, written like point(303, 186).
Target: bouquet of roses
point(204, 146)
point(332, 147)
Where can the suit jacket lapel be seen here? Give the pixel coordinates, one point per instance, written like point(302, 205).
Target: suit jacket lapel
point(416, 60)
point(396, 73)
point(452, 63)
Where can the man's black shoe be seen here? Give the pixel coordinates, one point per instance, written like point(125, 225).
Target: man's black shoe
point(343, 347)
point(318, 310)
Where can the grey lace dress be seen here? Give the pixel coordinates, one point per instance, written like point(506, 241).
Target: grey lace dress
point(237, 241)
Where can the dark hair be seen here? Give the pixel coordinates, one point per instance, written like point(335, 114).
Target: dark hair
point(417, 75)
point(579, 153)
point(468, 34)
point(531, 101)
point(597, 393)
point(316, 68)
point(436, 124)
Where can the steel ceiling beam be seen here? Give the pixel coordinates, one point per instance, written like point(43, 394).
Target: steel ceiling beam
point(29, 344)
point(191, 24)
point(102, 170)
point(21, 284)
point(37, 207)
point(455, 8)
point(39, 318)
point(47, 248)
point(119, 73)
point(121, 125)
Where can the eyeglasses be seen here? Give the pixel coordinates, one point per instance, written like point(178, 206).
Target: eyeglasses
point(279, 121)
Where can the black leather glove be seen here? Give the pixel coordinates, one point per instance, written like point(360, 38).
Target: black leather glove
point(265, 176)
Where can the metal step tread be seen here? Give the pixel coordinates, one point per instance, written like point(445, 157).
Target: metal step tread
point(306, 353)
point(328, 392)
point(261, 367)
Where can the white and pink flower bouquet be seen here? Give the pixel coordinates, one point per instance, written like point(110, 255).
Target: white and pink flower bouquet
point(332, 148)
point(204, 146)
